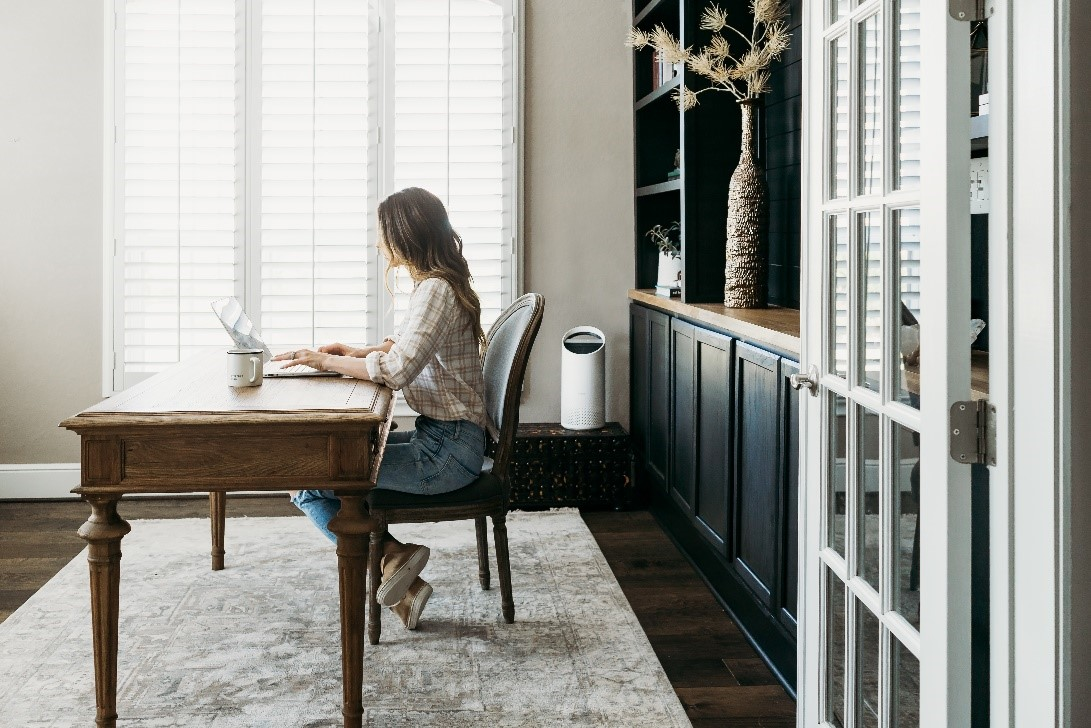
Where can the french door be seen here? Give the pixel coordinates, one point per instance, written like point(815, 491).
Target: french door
point(886, 564)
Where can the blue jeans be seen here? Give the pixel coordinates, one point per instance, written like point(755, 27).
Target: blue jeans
point(437, 457)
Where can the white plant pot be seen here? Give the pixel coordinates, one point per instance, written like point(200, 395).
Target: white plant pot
point(670, 271)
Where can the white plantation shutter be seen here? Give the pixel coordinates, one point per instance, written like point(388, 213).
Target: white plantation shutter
point(314, 172)
point(178, 173)
point(453, 118)
point(254, 139)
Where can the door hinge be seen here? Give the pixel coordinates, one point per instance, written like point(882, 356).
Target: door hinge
point(973, 432)
point(970, 10)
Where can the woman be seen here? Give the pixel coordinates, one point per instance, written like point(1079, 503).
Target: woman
point(435, 360)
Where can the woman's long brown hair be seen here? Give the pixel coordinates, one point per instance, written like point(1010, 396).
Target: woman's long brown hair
point(416, 232)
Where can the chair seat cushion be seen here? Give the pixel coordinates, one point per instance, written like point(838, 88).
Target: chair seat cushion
point(486, 490)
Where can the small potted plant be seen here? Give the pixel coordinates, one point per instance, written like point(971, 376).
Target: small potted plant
point(668, 239)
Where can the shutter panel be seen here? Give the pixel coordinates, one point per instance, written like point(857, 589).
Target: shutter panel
point(452, 122)
point(178, 166)
point(314, 172)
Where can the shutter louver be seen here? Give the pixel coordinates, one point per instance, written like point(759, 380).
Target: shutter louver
point(178, 168)
point(450, 122)
point(314, 164)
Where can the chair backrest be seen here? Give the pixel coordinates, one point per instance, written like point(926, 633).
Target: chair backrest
point(507, 349)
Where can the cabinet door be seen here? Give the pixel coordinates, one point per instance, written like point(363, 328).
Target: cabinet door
point(639, 381)
point(658, 427)
point(789, 511)
point(683, 404)
point(649, 392)
point(712, 365)
point(757, 498)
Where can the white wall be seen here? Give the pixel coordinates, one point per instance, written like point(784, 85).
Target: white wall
point(579, 194)
point(579, 222)
point(50, 223)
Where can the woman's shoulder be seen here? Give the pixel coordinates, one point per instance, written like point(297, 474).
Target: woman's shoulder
point(434, 287)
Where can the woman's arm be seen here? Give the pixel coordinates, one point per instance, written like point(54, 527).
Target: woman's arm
point(348, 364)
point(346, 350)
point(432, 311)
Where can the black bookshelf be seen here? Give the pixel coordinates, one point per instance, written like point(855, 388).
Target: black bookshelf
point(708, 138)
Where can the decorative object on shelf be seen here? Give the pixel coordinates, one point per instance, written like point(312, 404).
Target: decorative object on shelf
point(553, 467)
point(746, 76)
point(668, 239)
point(746, 274)
point(677, 171)
point(663, 70)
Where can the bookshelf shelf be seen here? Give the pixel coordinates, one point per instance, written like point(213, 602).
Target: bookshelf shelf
point(673, 185)
point(659, 93)
point(651, 11)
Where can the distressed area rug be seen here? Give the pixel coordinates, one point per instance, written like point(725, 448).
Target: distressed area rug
point(258, 644)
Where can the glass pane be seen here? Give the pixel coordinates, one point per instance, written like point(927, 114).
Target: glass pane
point(868, 519)
point(906, 695)
point(871, 108)
point(839, 117)
point(838, 9)
point(839, 290)
point(838, 476)
point(906, 234)
point(835, 650)
point(907, 527)
point(907, 97)
point(868, 636)
point(870, 233)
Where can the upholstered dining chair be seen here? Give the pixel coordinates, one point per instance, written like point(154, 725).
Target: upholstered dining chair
point(507, 348)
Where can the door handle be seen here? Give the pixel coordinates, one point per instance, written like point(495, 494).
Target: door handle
point(808, 381)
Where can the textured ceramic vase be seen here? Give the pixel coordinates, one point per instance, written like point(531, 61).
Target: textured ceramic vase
point(746, 273)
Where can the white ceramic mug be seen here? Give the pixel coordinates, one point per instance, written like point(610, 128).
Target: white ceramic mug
point(244, 368)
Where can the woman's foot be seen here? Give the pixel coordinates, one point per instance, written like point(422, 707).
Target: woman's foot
point(412, 604)
point(402, 564)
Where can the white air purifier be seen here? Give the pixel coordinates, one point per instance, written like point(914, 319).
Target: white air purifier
point(583, 379)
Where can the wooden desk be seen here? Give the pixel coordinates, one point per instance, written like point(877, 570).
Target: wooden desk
point(185, 430)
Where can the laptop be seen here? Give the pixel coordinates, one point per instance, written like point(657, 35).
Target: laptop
point(242, 332)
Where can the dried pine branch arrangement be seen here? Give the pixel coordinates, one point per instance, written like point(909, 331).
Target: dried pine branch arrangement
point(743, 74)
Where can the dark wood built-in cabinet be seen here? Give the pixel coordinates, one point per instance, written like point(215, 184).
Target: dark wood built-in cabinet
point(715, 427)
point(714, 421)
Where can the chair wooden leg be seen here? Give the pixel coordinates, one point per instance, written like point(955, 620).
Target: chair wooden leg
point(503, 566)
point(217, 511)
point(375, 575)
point(482, 552)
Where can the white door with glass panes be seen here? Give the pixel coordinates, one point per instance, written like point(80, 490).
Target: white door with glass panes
point(885, 582)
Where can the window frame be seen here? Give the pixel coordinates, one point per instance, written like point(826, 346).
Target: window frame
point(248, 250)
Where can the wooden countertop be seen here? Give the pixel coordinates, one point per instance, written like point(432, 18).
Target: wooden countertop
point(779, 328)
point(774, 327)
point(979, 376)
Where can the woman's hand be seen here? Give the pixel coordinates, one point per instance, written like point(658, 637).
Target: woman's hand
point(339, 350)
point(313, 359)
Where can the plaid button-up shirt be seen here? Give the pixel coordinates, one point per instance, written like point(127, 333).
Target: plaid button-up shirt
point(435, 360)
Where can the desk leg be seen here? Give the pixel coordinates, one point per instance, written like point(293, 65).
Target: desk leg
point(217, 511)
point(352, 524)
point(103, 532)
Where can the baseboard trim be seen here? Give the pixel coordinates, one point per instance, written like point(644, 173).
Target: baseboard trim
point(55, 481)
point(39, 480)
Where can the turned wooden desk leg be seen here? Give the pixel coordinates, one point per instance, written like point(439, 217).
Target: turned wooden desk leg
point(217, 511)
point(352, 525)
point(103, 532)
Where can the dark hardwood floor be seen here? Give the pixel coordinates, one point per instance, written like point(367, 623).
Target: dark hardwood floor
point(718, 676)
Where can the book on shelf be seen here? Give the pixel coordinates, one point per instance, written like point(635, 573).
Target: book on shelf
point(668, 291)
